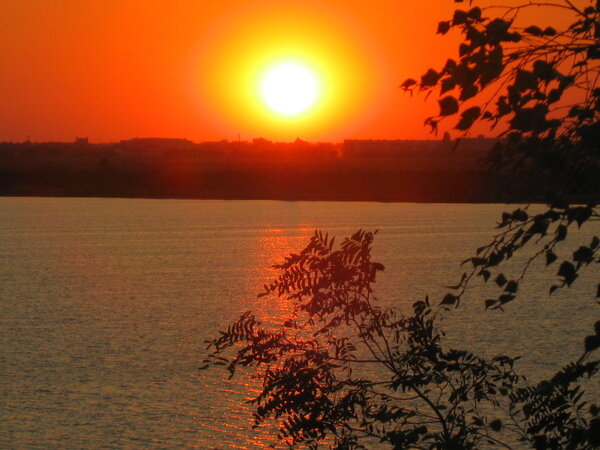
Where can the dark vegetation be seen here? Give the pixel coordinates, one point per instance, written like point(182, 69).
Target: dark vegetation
point(339, 370)
point(419, 171)
point(342, 371)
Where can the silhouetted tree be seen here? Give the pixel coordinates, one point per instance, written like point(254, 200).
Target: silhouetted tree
point(552, 145)
point(342, 371)
point(540, 84)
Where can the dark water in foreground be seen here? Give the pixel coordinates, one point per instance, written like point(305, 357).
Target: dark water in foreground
point(105, 305)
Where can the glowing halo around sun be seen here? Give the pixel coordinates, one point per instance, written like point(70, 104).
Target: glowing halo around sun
point(289, 88)
point(263, 75)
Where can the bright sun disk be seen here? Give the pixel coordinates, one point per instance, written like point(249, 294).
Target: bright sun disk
point(289, 89)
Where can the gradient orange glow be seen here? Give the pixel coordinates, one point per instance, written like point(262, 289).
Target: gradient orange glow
point(258, 40)
point(114, 70)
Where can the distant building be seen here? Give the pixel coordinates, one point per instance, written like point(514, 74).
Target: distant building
point(401, 148)
point(387, 148)
point(157, 145)
point(81, 141)
point(261, 142)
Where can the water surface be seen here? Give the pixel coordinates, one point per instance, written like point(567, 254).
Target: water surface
point(105, 305)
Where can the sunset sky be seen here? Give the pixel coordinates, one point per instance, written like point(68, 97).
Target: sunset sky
point(112, 69)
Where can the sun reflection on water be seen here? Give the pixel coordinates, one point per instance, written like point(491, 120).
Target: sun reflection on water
point(272, 246)
point(269, 248)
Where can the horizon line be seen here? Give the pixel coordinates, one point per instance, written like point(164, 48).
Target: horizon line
point(85, 140)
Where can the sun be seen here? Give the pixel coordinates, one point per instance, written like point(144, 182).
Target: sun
point(289, 88)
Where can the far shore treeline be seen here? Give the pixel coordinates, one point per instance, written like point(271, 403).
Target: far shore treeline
point(355, 170)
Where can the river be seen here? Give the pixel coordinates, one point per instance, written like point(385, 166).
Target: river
point(105, 305)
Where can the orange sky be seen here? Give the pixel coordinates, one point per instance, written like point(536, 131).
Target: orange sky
point(117, 69)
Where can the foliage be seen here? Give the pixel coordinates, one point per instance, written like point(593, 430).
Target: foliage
point(342, 365)
point(538, 82)
point(343, 371)
point(542, 83)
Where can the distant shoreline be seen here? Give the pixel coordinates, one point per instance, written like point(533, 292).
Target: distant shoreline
point(117, 197)
point(396, 171)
